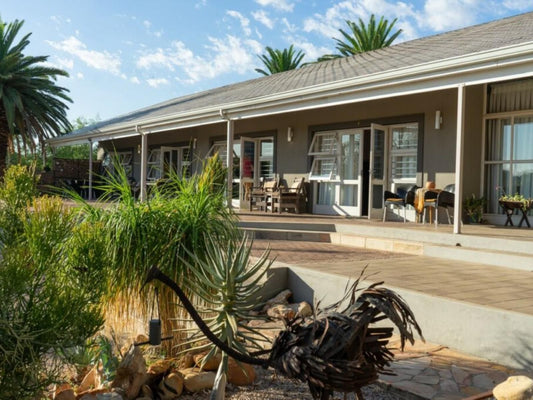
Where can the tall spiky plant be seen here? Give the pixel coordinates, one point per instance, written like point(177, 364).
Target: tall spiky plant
point(280, 60)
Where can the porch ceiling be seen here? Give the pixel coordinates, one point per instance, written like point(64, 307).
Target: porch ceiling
point(489, 52)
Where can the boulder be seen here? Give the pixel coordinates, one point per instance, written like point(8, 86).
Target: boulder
point(186, 361)
point(196, 380)
point(92, 380)
point(304, 309)
point(240, 374)
point(514, 388)
point(91, 394)
point(281, 311)
point(131, 373)
point(147, 392)
point(280, 298)
point(64, 392)
point(170, 386)
point(109, 396)
point(160, 367)
point(211, 364)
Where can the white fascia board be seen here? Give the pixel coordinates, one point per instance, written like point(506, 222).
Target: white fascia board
point(420, 78)
point(95, 136)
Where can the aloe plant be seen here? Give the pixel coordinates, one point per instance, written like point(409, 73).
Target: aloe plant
point(229, 283)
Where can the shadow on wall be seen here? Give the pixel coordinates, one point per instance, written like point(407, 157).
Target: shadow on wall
point(301, 291)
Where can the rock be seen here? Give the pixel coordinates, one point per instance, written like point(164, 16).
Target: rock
point(109, 396)
point(91, 394)
point(64, 392)
point(186, 361)
point(281, 311)
point(160, 367)
point(93, 379)
point(280, 298)
point(131, 373)
point(196, 380)
point(514, 388)
point(171, 386)
point(240, 374)
point(211, 364)
point(304, 309)
point(147, 392)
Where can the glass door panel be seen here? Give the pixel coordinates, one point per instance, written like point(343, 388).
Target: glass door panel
point(350, 196)
point(377, 183)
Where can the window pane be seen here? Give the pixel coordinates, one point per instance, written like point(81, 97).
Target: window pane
point(523, 179)
point(350, 145)
point(405, 138)
point(324, 168)
point(324, 143)
point(267, 148)
point(403, 167)
point(379, 153)
point(498, 143)
point(267, 170)
point(497, 182)
point(349, 195)
point(326, 194)
point(523, 139)
point(377, 196)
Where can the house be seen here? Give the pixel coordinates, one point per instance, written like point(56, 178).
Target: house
point(451, 108)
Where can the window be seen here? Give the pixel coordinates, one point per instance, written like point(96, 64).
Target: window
point(324, 143)
point(508, 158)
point(154, 165)
point(125, 159)
point(266, 158)
point(403, 158)
point(324, 151)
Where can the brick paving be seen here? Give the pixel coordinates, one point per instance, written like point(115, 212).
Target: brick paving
point(498, 287)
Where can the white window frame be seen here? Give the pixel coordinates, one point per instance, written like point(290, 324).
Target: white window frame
point(153, 165)
point(125, 159)
point(395, 182)
point(335, 146)
point(333, 173)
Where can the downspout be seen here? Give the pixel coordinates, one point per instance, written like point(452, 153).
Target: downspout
point(229, 155)
point(144, 148)
point(90, 195)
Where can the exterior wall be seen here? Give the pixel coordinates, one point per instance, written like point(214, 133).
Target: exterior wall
point(291, 160)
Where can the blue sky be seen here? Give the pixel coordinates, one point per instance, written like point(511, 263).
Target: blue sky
point(123, 55)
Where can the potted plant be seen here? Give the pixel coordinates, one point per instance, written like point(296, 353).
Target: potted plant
point(474, 207)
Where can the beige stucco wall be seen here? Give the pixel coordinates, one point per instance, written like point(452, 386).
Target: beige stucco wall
point(438, 162)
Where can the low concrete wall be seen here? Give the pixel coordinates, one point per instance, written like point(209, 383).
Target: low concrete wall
point(500, 336)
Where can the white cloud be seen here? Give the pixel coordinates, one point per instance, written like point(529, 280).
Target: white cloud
point(288, 26)
point(147, 24)
point(312, 52)
point(63, 63)
point(443, 15)
point(281, 5)
point(156, 82)
point(262, 17)
point(101, 60)
point(225, 55)
point(79, 75)
point(135, 80)
point(520, 5)
point(201, 3)
point(245, 22)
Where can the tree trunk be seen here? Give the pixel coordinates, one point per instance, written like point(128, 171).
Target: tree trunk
point(4, 142)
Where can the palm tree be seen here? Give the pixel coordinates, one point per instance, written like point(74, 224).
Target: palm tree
point(278, 61)
point(32, 106)
point(364, 37)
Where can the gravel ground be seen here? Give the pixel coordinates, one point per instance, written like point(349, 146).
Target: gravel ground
point(268, 386)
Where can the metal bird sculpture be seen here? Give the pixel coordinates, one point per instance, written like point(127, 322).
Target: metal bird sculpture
point(338, 349)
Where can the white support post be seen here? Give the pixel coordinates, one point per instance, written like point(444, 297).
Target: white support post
point(144, 159)
point(229, 161)
point(459, 150)
point(90, 195)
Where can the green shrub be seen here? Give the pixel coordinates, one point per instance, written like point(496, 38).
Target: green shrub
point(49, 305)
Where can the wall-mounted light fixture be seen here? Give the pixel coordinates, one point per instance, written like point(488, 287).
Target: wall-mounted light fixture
point(438, 119)
point(138, 149)
point(290, 134)
point(194, 143)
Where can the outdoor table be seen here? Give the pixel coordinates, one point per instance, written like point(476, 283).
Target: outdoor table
point(509, 208)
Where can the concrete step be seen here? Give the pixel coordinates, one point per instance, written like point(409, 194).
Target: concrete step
point(489, 251)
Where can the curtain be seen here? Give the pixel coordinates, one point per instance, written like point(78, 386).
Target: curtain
point(511, 96)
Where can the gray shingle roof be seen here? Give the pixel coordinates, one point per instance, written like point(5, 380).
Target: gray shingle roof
point(462, 42)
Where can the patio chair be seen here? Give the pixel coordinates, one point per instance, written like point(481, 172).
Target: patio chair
point(293, 198)
point(401, 199)
point(443, 199)
point(261, 196)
